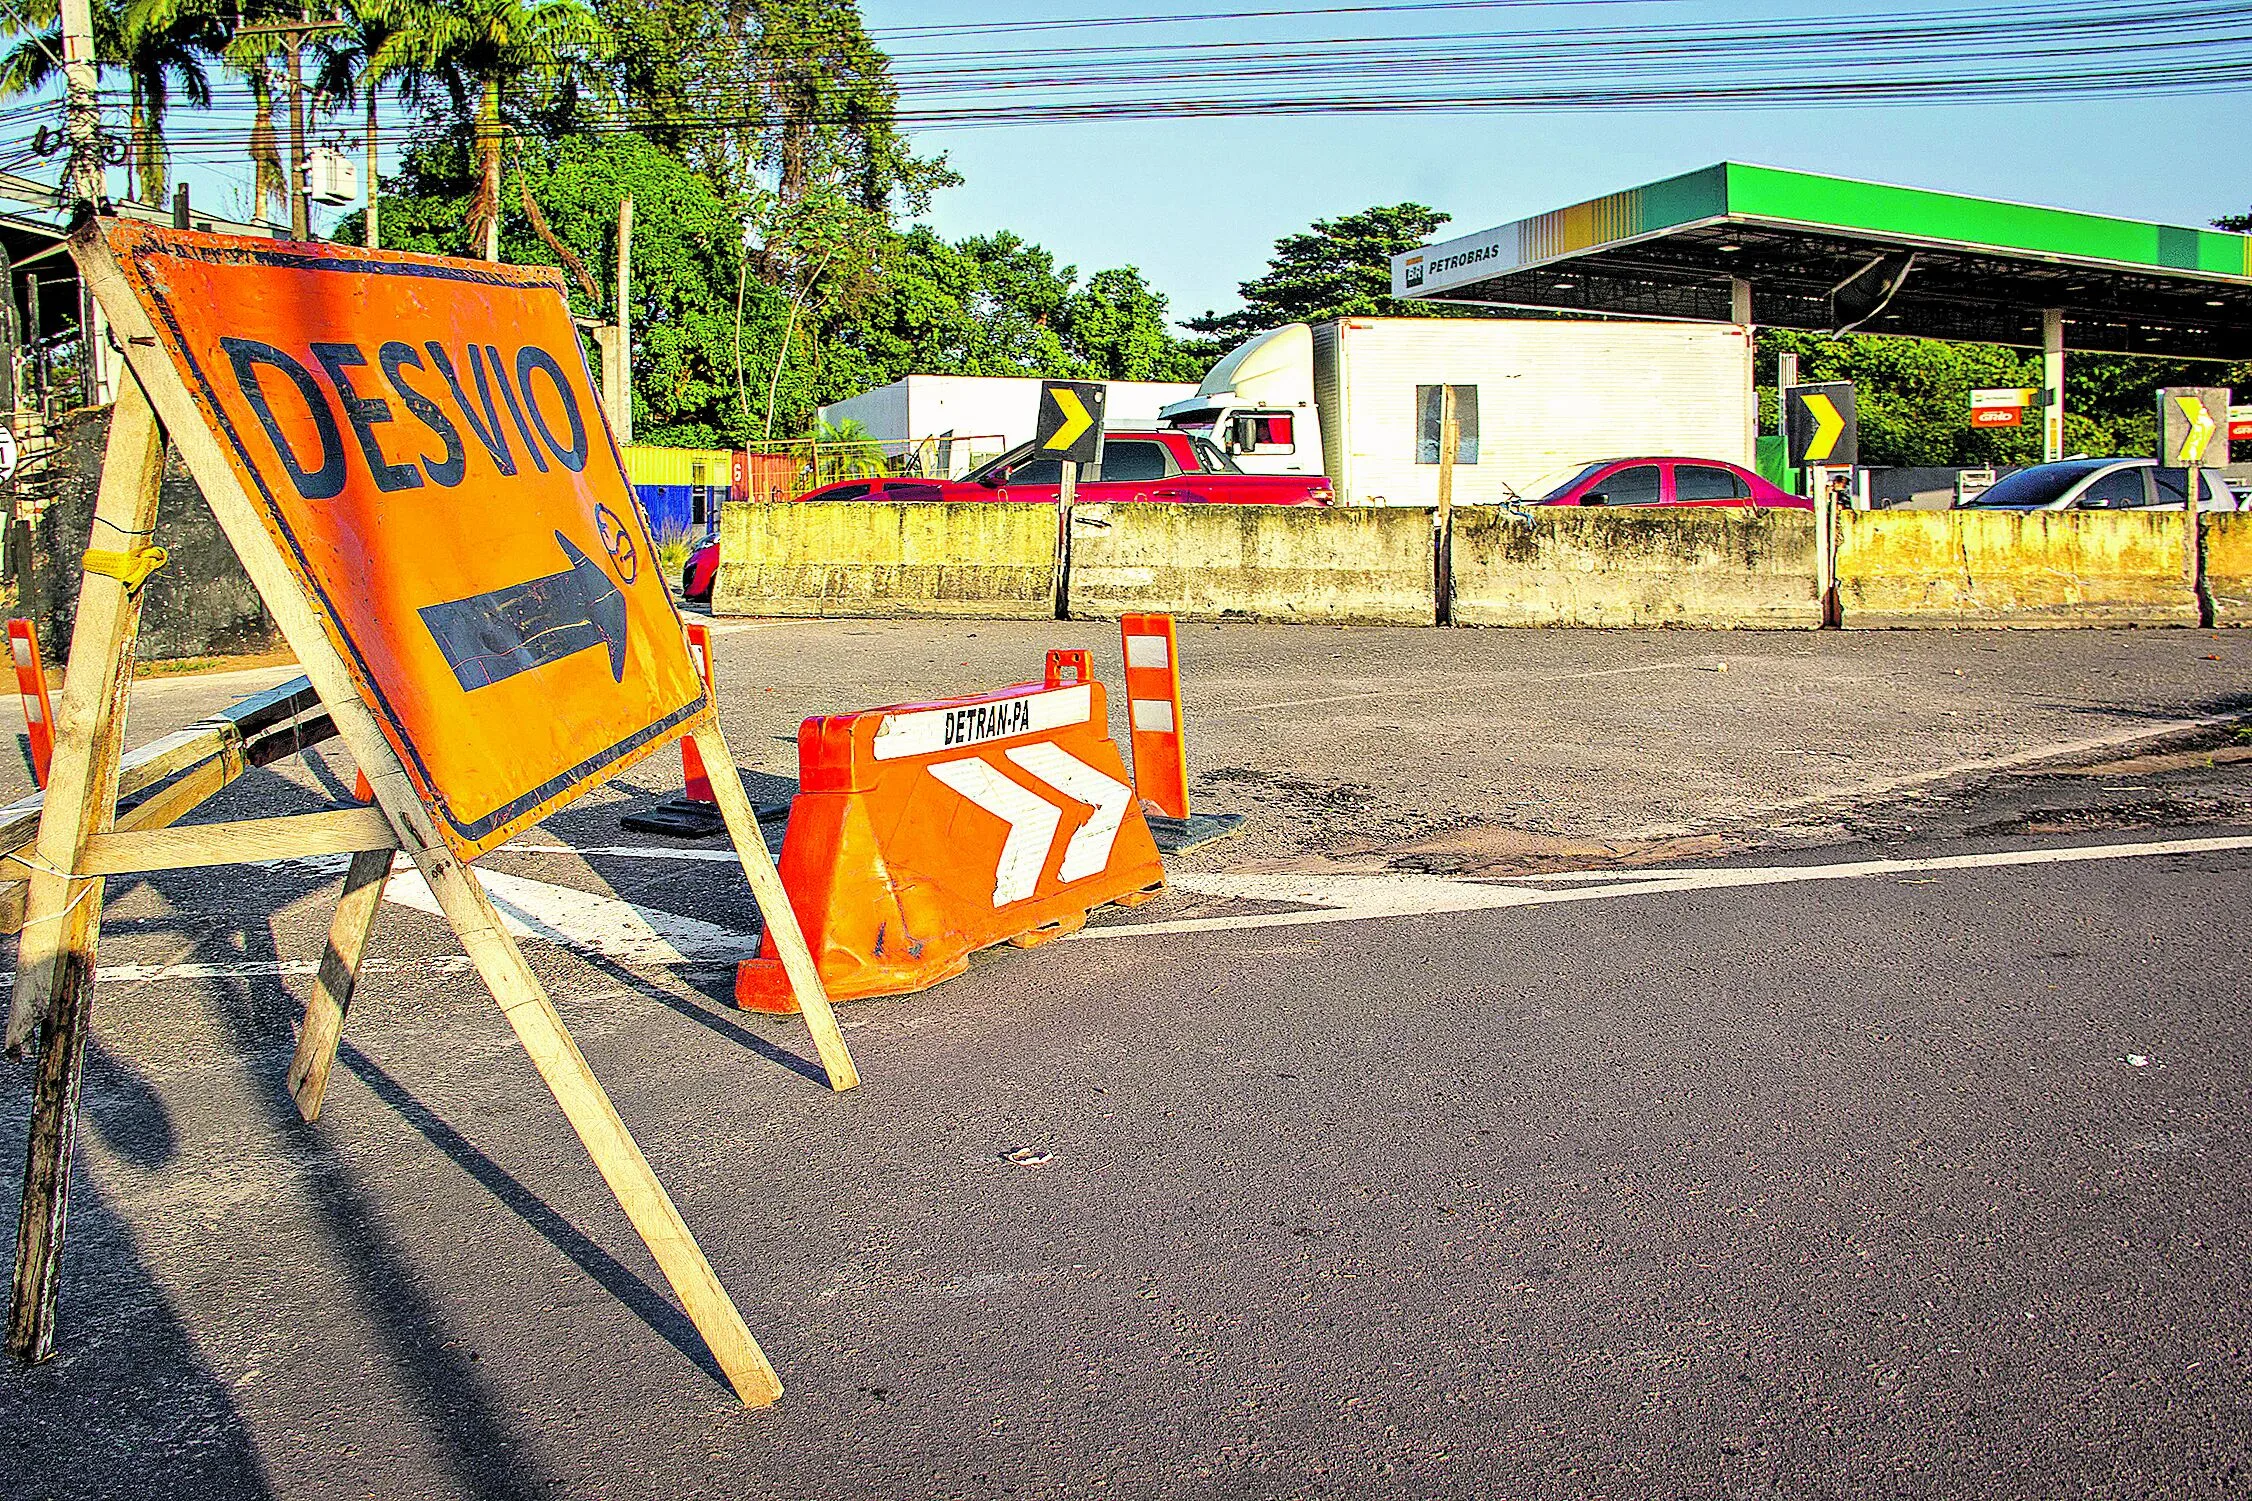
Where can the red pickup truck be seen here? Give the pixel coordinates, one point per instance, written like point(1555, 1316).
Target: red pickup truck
point(1163, 465)
point(1154, 464)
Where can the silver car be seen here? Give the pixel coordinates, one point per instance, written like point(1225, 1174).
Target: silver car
point(2101, 485)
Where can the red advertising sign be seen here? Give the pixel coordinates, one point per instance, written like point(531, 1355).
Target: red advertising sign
point(1997, 416)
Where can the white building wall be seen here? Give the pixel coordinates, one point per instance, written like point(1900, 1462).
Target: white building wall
point(1549, 394)
point(985, 414)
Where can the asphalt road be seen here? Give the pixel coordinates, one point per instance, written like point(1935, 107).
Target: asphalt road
point(1912, 1178)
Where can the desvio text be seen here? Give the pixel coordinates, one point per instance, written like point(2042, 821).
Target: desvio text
point(508, 401)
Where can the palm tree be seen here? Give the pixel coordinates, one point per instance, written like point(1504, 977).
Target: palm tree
point(487, 51)
point(159, 45)
point(364, 60)
point(163, 45)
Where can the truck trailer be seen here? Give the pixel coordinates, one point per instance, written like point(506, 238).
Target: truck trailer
point(1359, 399)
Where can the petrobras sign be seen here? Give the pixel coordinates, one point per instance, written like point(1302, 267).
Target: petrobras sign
point(2006, 397)
point(1455, 263)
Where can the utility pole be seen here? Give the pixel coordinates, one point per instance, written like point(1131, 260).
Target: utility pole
point(370, 230)
point(1450, 438)
point(82, 127)
point(622, 404)
point(2052, 385)
point(82, 105)
point(300, 212)
point(293, 36)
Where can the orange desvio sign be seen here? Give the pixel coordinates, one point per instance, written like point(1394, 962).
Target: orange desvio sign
point(422, 439)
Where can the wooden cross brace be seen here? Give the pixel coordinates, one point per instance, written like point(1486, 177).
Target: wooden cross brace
point(82, 836)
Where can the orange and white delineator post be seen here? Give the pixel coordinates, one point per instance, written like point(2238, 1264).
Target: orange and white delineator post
point(691, 761)
point(38, 707)
point(1153, 713)
point(922, 833)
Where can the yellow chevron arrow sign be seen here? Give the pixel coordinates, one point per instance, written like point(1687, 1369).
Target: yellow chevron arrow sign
point(1827, 426)
point(1819, 421)
point(1076, 419)
point(1071, 421)
point(2201, 427)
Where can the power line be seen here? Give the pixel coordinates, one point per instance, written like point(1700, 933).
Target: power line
point(1992, 53)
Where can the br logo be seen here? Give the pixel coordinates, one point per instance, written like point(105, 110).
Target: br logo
point(625, 558)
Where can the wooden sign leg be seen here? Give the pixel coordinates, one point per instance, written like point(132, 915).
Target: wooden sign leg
point(348, 934)
point(774, 903)
point(62, 917)
point(524, 1001)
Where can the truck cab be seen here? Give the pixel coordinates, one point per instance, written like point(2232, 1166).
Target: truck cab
point(1257, 405)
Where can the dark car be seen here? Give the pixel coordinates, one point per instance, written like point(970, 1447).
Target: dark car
point(1662, 482)
point(2101, 485)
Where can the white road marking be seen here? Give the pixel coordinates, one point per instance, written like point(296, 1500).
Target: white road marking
point(1360, 898)
point(610, 928)
point(584, 920)
point(1032, 823)
point(606, 927)
point(1089, 849)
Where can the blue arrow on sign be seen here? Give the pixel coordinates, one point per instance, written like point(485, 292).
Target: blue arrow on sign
point(489, 638)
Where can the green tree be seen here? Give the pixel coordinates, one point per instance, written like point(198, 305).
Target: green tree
point(1117, 325)
point(997, 305)
point(790, 106)
point(366, 59)
point(492, 56)
point(688, 257)
point(1339, 268)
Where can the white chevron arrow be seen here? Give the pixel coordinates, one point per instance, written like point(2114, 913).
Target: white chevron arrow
point(1089, 850)
point(1032, 823)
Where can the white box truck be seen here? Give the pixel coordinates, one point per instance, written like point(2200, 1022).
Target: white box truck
point(1358, 399)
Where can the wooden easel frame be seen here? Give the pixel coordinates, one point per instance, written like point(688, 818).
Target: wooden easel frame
point(77, 846)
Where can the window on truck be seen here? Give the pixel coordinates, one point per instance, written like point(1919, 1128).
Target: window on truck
point(1037, 472)
point(1427, 406)
point(1262, 433)
point(1209, 459)
point(1708, 482)
point(1131, 461)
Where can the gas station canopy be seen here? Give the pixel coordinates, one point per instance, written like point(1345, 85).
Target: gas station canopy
point(1831, 254)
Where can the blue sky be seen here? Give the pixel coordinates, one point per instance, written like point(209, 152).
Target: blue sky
point(1197, 205)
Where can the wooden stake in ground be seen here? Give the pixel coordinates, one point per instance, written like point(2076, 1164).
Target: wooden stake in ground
point(62, 916)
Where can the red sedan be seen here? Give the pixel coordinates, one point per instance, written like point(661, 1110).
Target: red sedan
point(1662, 482)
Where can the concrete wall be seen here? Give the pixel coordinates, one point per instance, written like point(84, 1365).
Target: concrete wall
point(199, 604)
point(1564, 566)
point(1568, 565)
point(2228, 567)
point(893, 558)
point(2001, 568)
point(1365, 564)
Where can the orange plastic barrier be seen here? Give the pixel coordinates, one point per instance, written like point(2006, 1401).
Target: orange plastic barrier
point(38, 708)
point(922, 833)
point(691, 761)
point(1153, 713)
